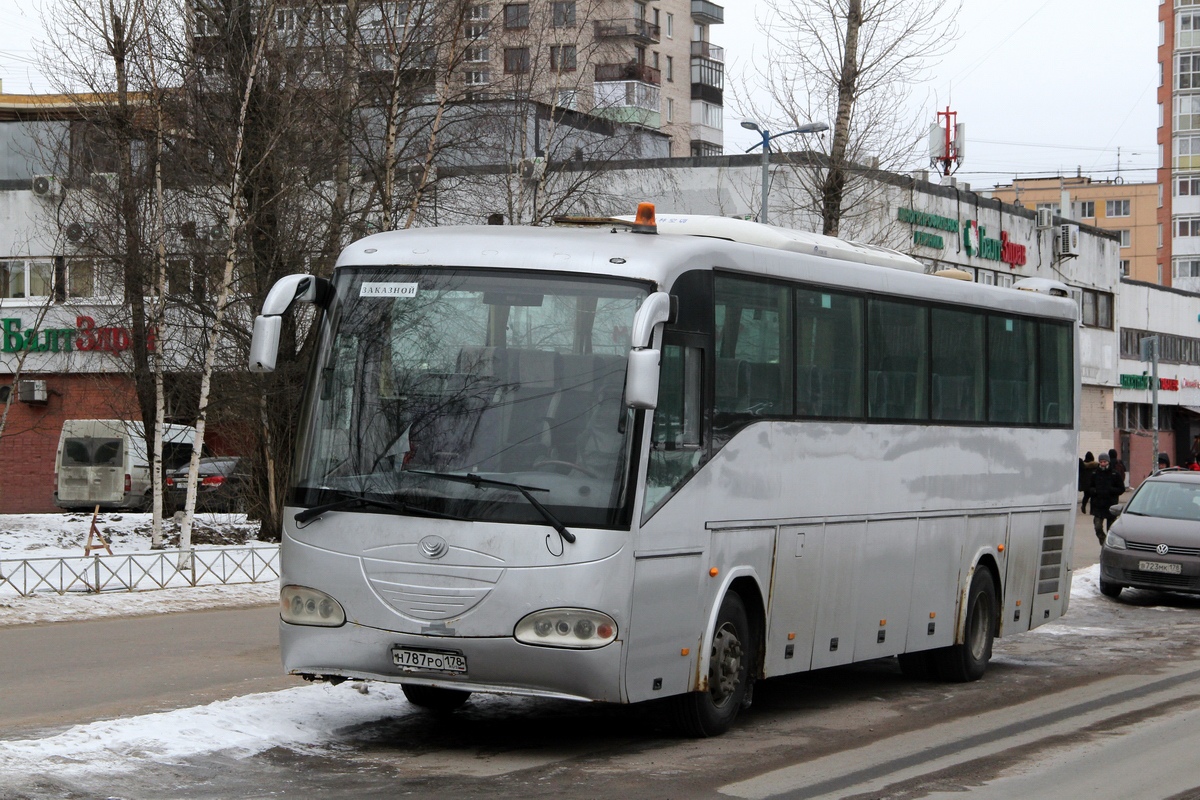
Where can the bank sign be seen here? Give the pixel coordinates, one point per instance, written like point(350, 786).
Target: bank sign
point(974, 237)
point(86, 336)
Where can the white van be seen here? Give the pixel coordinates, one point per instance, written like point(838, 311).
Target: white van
point(103, 462)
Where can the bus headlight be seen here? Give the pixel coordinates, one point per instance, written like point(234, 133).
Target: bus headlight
point(576, 628)
point(300, 605)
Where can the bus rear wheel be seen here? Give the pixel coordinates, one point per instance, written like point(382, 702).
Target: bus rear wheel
point(968, 661)
point(712, 712)
point(434, 698)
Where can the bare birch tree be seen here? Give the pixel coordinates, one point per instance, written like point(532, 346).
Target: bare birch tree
point(852, 64)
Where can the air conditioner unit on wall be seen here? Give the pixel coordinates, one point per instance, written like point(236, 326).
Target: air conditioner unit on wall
point(46, 186)
point(1067, 245)
point(77, 232)
point(1045, 218)
point(32, 391)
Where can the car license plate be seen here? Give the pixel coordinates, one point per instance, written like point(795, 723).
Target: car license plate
point(1159, 566)
point(410, 660)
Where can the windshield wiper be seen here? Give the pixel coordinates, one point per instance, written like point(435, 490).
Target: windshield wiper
point(348, 500)
point(478, 481)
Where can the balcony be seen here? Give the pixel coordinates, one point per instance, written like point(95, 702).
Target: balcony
point(705, 12)
point(606, 73)
point(628, 101)
point(637, 29)
point(708, 50)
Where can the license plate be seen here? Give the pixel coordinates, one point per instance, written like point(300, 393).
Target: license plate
point(1159, 566)
point(409, 660)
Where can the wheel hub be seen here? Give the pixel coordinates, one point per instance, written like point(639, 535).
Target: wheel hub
point(725, 665)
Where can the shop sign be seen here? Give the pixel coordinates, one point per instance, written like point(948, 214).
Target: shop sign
point(1164, 384)
point(86, 336)
point(977, 243)
point(924, 219)
point(1188, 383)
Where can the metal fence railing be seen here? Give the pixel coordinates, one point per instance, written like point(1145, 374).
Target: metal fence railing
point(134, 572)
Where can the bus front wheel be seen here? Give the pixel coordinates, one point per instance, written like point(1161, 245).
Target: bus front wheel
point(710, 713)
point(968, 661)
point(435, 698)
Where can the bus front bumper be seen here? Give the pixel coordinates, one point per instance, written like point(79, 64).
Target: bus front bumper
point(500, 665)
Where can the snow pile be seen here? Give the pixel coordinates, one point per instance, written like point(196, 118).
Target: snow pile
point(296, 718)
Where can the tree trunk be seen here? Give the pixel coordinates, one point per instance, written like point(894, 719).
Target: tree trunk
point(834, 185)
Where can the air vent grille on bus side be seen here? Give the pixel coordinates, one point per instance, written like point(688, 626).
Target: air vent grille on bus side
point(1050, 565)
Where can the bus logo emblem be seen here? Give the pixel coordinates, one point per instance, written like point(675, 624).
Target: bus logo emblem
point(434, 547)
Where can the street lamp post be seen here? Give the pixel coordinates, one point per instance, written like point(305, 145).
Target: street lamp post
point(767, 136)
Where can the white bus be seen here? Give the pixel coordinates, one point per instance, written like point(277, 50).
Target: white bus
point(627, 463)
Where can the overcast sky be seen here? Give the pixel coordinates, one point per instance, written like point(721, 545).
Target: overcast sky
point(1042, 87)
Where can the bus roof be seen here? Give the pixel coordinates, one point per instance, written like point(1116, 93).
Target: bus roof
point(610, 250)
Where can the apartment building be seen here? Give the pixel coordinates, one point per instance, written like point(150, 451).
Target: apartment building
point(1179, 142)
point(1128, 209)
point(649, 63)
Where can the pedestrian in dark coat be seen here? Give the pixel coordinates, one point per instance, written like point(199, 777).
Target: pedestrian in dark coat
point(1117, 464)
point(1087, 468)
point(1107, 488)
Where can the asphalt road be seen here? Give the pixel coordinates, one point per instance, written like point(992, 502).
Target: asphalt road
point(65, 673)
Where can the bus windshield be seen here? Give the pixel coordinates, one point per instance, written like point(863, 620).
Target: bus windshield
point(511, 377)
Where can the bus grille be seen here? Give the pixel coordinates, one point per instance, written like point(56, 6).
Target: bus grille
point(434, 593)
point(1050, 565)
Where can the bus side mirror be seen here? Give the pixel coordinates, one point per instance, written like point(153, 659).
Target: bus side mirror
point(641, 379)
point(264, 346)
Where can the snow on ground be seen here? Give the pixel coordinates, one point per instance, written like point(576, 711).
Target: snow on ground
point(48, 536)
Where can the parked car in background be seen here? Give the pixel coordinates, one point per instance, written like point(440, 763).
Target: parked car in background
point(103, 462)
point(1155, 542)
point(219, 485)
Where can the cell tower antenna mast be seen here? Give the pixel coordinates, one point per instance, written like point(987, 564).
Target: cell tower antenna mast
point(947, 142)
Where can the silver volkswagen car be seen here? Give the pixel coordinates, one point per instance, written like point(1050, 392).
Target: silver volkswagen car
point(1155, 542)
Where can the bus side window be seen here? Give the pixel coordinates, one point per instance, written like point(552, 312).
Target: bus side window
point(675, 437)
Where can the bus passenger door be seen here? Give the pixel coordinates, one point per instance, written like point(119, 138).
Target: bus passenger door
point(792, 607)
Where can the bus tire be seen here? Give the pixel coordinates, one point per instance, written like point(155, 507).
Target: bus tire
point(712, 712)
point(434, 698)
point(968, 661)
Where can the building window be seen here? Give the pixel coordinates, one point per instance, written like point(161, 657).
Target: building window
point(21, 279)
point(1187, 112)
point(1126, 239)
point(1116, 208)
point(1096, 309)
point(1188, 186)
point(670, 69)
point(516, 15)
point(1185, 268)
point(1125, 267)
point(562, 14)
point(1087, 209)
point(562, 58)
point(478, 77)
point(1187, 226)
point(478, 13)
point(476, 55)
point(1053, 207)
point(477, 30)
point(568, 98)
point(1187, 151)
point(1187, 31)
point(516, 60)
point(670, 25)
point(670, 110)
